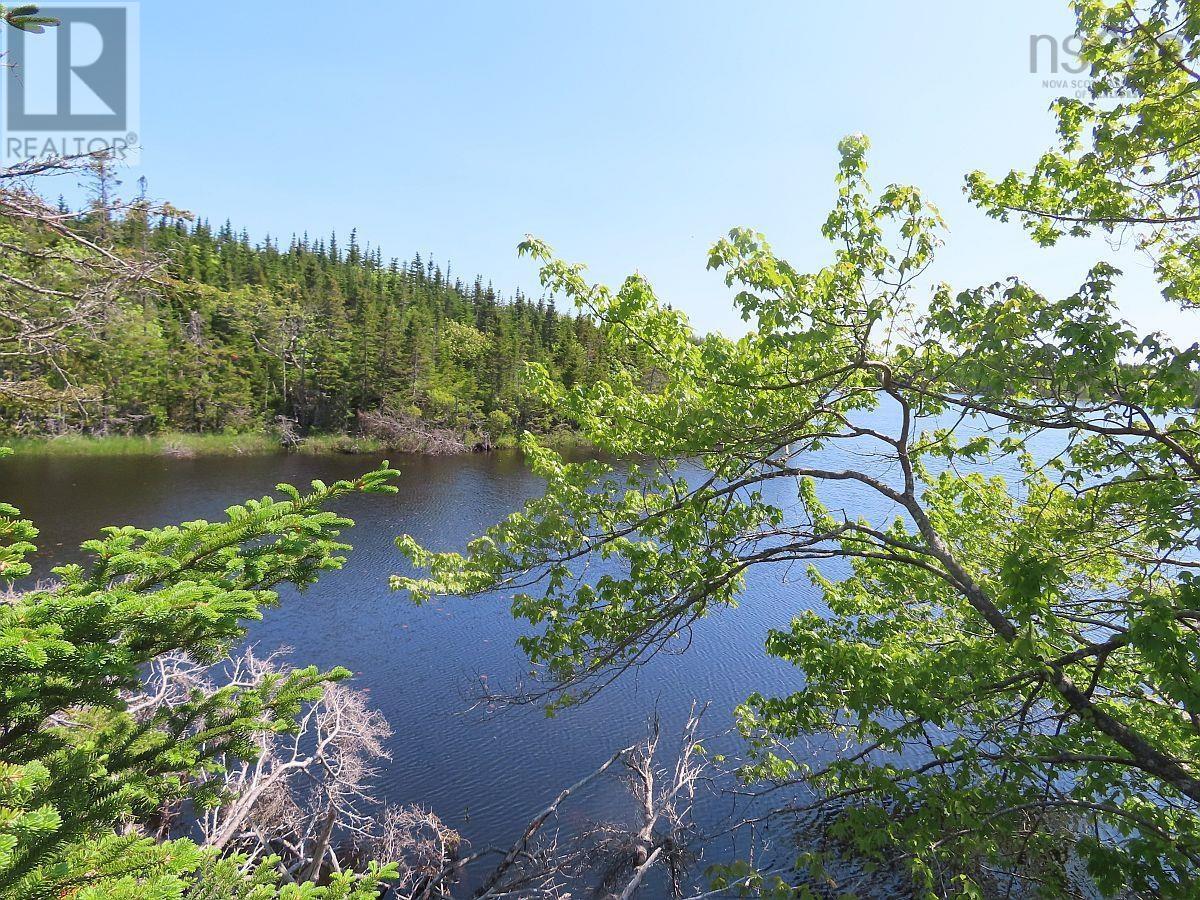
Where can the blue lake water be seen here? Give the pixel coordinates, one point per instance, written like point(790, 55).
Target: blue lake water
point(484, 774)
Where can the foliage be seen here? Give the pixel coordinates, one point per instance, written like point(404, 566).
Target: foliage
point(80, 771)
point(27, 18)
point(1009, 663)
point(1125, 159)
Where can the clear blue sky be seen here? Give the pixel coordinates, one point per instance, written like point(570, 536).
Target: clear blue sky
point(629, 135)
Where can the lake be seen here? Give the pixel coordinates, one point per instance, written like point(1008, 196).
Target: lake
point(484, 774)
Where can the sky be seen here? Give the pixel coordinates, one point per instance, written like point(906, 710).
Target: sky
point(628, 135)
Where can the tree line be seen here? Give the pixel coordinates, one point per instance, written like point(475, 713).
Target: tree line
point(231, 335)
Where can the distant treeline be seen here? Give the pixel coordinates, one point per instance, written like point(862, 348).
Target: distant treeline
point(235, 335)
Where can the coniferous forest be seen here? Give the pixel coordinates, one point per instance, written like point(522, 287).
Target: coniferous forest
point(318, 336)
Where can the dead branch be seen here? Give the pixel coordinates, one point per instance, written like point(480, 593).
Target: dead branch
point(402, 431)
point(306, 797)
point(59, 280)
point(488, 889)
point(664, 797)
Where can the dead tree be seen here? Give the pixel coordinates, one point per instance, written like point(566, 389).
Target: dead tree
point(303, 784)
point(422, 847)
point(289, 434)
point(616, 860)
point(306, 797)
point(301, 788)
point(407, 432)
point(664, 795)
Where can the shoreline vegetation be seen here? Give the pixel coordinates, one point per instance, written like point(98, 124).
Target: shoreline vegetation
point(185, 445)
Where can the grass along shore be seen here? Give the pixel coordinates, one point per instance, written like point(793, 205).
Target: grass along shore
point(168, 443)
point(185, 445)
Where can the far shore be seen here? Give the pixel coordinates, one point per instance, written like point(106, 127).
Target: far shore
point(186, 445)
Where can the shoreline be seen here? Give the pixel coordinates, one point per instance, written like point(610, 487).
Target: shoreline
point(188, 445)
